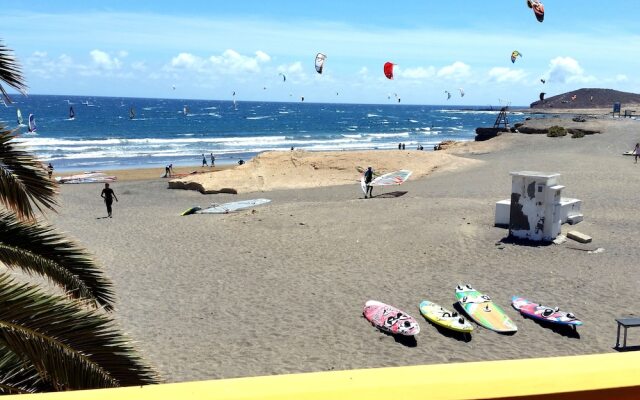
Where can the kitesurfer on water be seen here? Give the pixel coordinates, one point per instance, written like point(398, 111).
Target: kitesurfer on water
point(108, 195)
point(368, 177)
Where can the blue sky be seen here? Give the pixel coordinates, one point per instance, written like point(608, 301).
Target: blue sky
point(208, 50)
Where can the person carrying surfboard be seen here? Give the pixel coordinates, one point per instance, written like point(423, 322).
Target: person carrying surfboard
point(636, 152)
point(368, 177)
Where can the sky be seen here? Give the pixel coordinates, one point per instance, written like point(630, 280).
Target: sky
point(210, 49)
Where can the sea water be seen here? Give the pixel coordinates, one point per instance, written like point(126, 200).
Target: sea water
point(103, 136)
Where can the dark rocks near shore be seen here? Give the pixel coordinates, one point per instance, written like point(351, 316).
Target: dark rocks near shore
point(483, 134)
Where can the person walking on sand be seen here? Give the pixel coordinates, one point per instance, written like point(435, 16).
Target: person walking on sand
point(204, 160)
point(108, 195)
point(213, 161)
point(368, 177)
point(50, 170)
point(636, 152)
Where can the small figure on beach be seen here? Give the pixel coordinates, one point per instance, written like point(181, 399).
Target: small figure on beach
point(636, 152)
point(399, 146)
point(204, 160)
point(213, 161)
point(368, 177)
point(50, 170)
point(402, 146)
point(168, 171)
point(240, 162)
point(108, 195)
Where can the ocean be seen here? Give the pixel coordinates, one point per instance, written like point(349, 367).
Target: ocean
point(103, 136)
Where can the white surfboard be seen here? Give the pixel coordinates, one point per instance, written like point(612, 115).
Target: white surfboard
point(233, 206)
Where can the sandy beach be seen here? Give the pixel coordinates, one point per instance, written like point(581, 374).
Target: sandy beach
point(280, 289)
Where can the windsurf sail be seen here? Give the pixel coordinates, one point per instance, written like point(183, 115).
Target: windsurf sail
point(32, 123)
point(185, 110)
point(132, 113)
point(19, 115)
point(72, 113)
point(388, 69)
point(87, 177)
point(320, 62)
point(392, 178)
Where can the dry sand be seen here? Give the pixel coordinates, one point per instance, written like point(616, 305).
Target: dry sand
point(281, 289)
point(136, 174)
point(302, 169)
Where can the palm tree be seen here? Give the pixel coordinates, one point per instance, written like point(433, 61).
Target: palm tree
point(51, 341)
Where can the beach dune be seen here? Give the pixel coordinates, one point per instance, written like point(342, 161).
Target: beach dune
point(301, 169)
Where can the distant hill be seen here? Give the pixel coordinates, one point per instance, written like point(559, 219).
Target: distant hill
point(588, 98)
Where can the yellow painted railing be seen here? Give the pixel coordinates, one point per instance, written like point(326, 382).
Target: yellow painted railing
point(604, 376)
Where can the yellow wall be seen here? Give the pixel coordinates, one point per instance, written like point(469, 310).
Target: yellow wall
point(606, 376)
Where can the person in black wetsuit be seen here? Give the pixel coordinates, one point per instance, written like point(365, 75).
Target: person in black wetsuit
point(368, 177)
point(108, 195)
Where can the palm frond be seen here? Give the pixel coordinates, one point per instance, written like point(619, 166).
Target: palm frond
point(18, 376)
point(69, 345)
point(10, 73)
point(23, 179)
point(38, 248)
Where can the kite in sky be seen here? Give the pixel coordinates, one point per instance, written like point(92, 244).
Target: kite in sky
point(320, 62)
point(515, 54)
point(388, 69)
point(538, 9)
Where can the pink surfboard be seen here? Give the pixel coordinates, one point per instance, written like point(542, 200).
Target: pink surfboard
point(390, 319)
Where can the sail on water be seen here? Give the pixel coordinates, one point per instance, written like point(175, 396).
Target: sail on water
point(19, 115)
point(32, 123)
point(72, 114)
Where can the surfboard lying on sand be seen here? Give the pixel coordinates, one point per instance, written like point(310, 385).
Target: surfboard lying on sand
point(483, 311)
point(444, 318)
point(544, 313)
point(389, 319)
point(226, 207)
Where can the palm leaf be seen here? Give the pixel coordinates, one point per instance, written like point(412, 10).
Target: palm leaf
point(38, 248)
point(18, 376)
point(69, 345)
point(23, 179)
point(10, 73)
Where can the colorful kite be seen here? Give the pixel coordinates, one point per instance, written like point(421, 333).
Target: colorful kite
point(538, 9)
point(515, 54)
point(388, 69)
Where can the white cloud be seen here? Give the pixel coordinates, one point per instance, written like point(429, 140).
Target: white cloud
point(567, 70)
point(503, 74)
point(417, 73)
point(103, 60)
point(621, 78)
point(456, 71)
point(187, 61)
point(139, 66)
point(236, 62)
point(230, 62)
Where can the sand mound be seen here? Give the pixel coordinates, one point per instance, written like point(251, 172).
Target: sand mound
point(301, 169)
